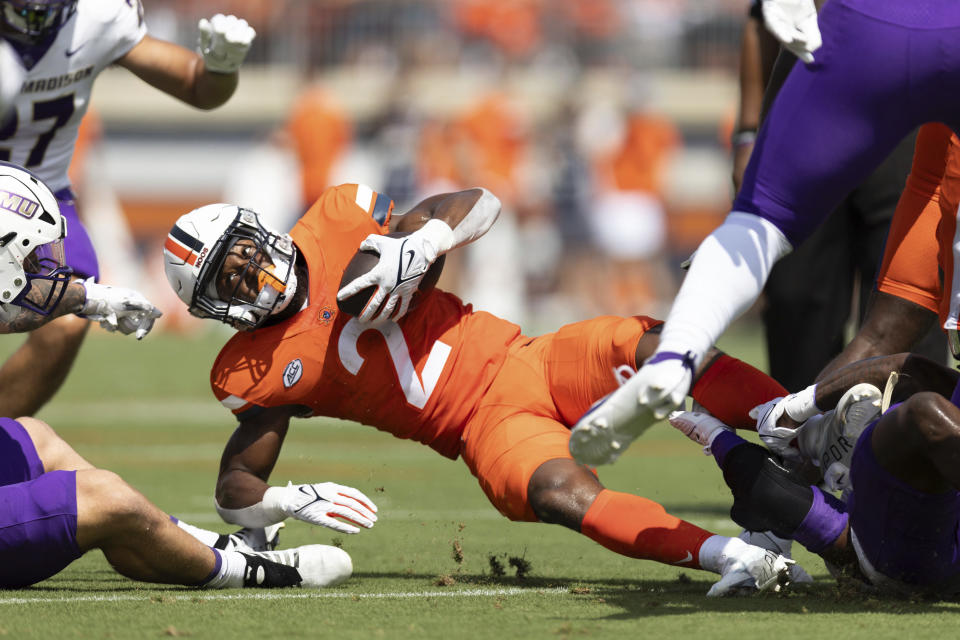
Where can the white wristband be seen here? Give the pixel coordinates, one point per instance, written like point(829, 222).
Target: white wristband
point(802, 406)
point(261, 514)
point(439, 235)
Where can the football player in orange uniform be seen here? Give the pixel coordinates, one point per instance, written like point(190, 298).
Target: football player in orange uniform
point(464, 383)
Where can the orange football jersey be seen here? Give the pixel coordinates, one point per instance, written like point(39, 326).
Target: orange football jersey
point(419, 378)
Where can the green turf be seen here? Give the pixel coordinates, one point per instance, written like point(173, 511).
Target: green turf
point(145, 411)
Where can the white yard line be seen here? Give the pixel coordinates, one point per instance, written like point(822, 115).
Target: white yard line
point(287, 595)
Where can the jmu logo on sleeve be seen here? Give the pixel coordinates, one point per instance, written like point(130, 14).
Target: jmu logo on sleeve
point(292, 373)
point(18, 204)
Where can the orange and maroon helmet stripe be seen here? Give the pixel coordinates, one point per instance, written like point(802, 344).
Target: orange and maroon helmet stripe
point(183, 245)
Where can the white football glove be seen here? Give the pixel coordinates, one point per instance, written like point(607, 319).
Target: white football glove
point(794, 24)
point(11, 76)
point(403, 262)
point(118, 309)
point(663, 382)
point(799, 407)
point(321, 504)
point(224, 41)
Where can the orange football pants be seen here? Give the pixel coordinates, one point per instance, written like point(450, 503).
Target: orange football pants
point(543, 388)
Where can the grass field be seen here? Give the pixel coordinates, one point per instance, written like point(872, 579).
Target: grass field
point(425, 571)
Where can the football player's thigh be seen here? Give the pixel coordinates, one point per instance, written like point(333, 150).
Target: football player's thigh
point(584, 359)
point(38, 527)
point(19, 460)
point(505, 455)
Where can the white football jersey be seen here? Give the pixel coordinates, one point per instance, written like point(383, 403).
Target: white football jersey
point(55, 93)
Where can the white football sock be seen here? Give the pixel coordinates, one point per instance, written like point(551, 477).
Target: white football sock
point(716, 550)
point(228, 574)
point(726, 276)
point(208, 538)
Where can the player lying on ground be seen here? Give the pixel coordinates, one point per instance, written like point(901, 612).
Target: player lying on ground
point(54, 505)
point(896, 524)
point(464, 383)
point(830, 125)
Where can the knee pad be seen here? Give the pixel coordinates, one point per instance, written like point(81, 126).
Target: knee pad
point(766, 495)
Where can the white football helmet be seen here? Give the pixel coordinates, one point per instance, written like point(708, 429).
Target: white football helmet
point(193, 257)
point(31, 231)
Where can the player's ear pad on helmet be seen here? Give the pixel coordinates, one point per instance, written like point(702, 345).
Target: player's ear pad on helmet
point(766, 497)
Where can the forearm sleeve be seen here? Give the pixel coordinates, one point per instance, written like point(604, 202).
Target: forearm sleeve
point(261, 514)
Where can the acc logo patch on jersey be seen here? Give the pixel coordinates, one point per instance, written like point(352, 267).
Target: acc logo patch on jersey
point(292, 373)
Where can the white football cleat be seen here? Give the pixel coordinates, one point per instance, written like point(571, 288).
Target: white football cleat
point(319, 565)
point(609, 426)
point(251, 539)
point(701, 427)
point(829, 441)
point(771, 542)
point(750, 568)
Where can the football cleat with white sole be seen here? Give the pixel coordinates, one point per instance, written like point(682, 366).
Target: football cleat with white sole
point(750, 568)
point(771, 542)
point(699, 426)
point(829, 440)
point(319, 565)
point(611, 424)
point(608, 427)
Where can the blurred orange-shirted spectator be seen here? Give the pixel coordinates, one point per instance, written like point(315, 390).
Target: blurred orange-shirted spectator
point(319, 133)
point(628, 221)
point(437, 159)
point(639, 163)
point(593, 18)
point(513, 25)
point(492, 144)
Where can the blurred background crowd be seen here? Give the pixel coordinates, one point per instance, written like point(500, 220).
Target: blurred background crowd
point(601, 125)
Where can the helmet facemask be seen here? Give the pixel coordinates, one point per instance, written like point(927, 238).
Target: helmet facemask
point(34, 21)
point(45, 263)
point(270, 262)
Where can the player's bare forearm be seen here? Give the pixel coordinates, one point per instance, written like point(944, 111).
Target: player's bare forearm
point(27, 320)
point(916, 373)
point(452, 208)
point(179, 72)
point(249, 457)
point(892, 325)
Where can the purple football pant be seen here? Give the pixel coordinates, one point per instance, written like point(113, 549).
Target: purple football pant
point(886, 67)
point(77, 248)
point(38, 512)
point(906, 534)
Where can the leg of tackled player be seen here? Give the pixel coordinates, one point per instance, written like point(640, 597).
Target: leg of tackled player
point(563, 492)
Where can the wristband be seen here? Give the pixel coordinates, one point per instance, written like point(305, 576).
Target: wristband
point(261, 514)
point(802, 406)
point(743, 137)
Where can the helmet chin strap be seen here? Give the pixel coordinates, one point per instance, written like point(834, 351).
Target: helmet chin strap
point(288, 292)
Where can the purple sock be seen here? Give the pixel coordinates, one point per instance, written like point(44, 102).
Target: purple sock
point(823, 524)
point(216, 568)
point(723, 444)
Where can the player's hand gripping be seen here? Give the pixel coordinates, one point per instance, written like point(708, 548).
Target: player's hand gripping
point(779, 420)
point(119, 309)
point(403, 262)
point(794, 24)
point(322, 504)
point(663, 382)
point(224, 41)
